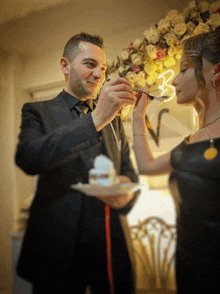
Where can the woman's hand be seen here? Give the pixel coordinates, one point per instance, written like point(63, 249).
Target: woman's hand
point(142, 104)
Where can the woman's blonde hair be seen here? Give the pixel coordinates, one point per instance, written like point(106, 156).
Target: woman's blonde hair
point(207, 46)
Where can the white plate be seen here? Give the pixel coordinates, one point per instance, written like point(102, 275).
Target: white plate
point(96, 190)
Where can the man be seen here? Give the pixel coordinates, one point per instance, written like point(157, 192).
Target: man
point(64, 248)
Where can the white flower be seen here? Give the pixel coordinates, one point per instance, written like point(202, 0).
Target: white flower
point(178, 19)
point(194, 14)
point(171, 37)
point(124, 55)
point(201, 28)
point(169, 61)
point(190, 26)
point(163, 26)
point(214, 7)
point(110, 63)
point(151, 51)
point(203, 6)
point(123, 68)
point(141, 75)
point(214, 20)
point(137, 43)
point(131, 76)
point(192, 4)
point(152, 35)
point(171, 15)
point(136, 59)
point(151, 78)
point(185, 12)
point(180, 29)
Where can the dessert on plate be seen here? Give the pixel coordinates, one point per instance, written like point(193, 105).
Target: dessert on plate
point(103, 173)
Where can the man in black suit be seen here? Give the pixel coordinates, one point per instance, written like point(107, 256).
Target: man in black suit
point(64, 248)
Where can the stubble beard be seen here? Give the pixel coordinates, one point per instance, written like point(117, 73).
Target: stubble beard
point(79, 86)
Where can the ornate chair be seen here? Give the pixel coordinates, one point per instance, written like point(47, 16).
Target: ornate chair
point(154, 242)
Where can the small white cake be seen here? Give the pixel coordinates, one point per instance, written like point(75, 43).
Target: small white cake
point(103, 172)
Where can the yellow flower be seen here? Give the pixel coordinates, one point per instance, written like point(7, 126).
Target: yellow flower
point(159, 66)
point(169, 61)
point(151, 78)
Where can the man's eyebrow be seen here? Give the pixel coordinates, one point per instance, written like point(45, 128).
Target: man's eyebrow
point(93, 60)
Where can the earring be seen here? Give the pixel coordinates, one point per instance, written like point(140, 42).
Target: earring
point(215, 80)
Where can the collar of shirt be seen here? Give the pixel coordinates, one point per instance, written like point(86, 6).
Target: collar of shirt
point(73, 101)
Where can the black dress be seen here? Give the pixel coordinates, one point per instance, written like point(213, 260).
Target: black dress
point(195, 185)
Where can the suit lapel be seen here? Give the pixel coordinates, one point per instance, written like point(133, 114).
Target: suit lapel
point(60, 113)
point(111, 146)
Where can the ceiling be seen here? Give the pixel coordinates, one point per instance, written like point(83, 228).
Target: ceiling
point(24, 24)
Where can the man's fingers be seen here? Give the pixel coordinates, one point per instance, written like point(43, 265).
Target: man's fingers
point(117, 81)
point(122, 87)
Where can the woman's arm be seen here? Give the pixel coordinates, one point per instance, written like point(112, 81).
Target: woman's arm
point(147, 164)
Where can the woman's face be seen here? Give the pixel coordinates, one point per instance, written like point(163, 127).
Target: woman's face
point(186, 83)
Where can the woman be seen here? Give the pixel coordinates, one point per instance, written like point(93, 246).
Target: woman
point(194, 166)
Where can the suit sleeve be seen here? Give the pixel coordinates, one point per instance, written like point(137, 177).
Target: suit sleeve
point(40, 151)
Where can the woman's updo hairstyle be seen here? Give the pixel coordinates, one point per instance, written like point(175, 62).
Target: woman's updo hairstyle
point(205, 45)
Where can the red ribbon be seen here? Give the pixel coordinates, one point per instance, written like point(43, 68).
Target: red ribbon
point(108, 247)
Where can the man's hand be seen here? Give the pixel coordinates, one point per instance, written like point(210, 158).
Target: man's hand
point(114, 94)
point(117, 201)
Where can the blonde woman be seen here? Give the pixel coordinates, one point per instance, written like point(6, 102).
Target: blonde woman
point(194, 166)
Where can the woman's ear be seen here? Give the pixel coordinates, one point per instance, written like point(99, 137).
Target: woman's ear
point(216, 76)
point(64, 63)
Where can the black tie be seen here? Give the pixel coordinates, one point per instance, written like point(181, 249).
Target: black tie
point(82, 108)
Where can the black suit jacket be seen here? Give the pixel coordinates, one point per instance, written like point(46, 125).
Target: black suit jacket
point(61, 150)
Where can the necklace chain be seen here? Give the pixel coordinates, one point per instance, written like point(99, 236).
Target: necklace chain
point(193, 135)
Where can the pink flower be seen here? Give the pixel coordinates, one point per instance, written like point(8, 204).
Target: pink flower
point(130, 46)
point(160, 54)
point(136, 69)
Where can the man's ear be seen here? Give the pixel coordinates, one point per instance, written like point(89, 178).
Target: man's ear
point(64, 63)
point(216, 76)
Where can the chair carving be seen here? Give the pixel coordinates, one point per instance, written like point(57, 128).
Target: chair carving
point(154, 243)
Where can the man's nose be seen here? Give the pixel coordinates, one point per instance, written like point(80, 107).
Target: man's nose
point(97, 73)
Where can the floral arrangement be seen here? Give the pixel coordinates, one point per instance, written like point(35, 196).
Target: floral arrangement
point(142, 61)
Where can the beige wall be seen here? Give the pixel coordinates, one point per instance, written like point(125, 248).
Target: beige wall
point(13, 183)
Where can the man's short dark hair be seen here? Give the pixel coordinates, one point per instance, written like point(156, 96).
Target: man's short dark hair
point(71, 48)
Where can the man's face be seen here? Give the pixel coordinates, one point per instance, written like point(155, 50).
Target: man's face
point(87, 72)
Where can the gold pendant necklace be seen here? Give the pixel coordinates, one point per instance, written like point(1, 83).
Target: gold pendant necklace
point(211, 152)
